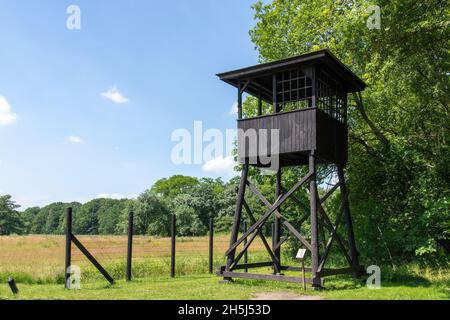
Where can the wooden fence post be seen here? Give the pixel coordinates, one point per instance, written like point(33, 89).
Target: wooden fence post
point(211, 245)
point(130, 245)
point(68, 246)
point(173, 251)
point(13, 286)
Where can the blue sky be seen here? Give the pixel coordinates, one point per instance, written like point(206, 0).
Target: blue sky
point(90, 112)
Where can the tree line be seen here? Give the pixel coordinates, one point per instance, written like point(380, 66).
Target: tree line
point(193, 200)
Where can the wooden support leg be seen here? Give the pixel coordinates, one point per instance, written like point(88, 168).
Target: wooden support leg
point(348, 219)
point(314, 223)
point(277, 229)
point(237, 217)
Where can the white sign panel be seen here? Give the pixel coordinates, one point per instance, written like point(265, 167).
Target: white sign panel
point(301, 254)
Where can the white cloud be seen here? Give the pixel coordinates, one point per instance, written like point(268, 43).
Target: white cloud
point(114, 95)
point(221, 166)
point(234, 109)
point(74, 139)
point(6, 115)
point(116, 196)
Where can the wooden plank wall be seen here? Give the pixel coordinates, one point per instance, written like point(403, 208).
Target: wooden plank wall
point(304, 130)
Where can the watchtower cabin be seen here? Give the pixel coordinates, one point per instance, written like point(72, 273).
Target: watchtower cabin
point(307, 99)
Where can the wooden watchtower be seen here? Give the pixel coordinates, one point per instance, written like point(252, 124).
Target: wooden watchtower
point(309, 98)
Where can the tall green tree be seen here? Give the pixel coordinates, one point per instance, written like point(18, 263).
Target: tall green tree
point(28, 217)
point(173, 186)
point(399, 130)
point(10, 220)
point(151, 215)
point(85, 220)
point(108, 215)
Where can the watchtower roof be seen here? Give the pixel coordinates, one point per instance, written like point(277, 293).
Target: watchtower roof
point(261, 74)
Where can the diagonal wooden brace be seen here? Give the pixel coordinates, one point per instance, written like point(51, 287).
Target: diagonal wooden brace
point(282, 240)
point(333, 236)
point(289, 226)
point(91, 258)
point(241, 254)
point(330, 192)
point(329, 227)
point(272, 209)
point(261, 235)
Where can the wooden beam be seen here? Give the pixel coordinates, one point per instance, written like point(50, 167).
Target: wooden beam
point(262, 89)
point(237, 215)
point(271, 277)
point(276, 234)
point(259, 104)
point(330, 192)
point(291, 229)
point(314, 227)
point(240, 114)
point(245, 86)
point(332, 272)
point(333, 235)
point(264, 218)
point(295, 269)
point(282, 240)
point(91, 258)
point(68, 247)
point(348, 218)
point(244, 250)
point(274, 93)
point(252, 265)
point(297, 234)
point(261, 235)
point(304, 207)
point(329, 227)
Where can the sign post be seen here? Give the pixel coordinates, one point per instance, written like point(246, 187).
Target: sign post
point(301, 256)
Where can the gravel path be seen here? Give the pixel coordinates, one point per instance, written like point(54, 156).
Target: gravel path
point(283, 296)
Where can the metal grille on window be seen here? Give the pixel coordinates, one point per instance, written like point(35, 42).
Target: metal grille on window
point(294, 90)
point(331, 96)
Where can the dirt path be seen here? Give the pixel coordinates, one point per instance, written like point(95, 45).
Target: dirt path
point(283, 296)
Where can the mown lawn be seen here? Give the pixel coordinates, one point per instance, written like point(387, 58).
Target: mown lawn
point(205, 287)
point(36, 263)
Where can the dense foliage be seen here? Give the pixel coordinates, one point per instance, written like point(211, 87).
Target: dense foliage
point(10, 220)
point(399, 170)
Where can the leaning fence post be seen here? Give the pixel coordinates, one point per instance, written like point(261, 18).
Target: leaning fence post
point(130, 246)
point(246, 251)
point(13, 286)
point(211, 245)
point(68, 246)
point(173, 231)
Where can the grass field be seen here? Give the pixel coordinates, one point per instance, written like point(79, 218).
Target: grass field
point(40, 259)
point(36, 264)
point(199, 287)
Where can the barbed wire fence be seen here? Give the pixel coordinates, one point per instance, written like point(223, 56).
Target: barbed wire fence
point(139, 256)
point(40, 258)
